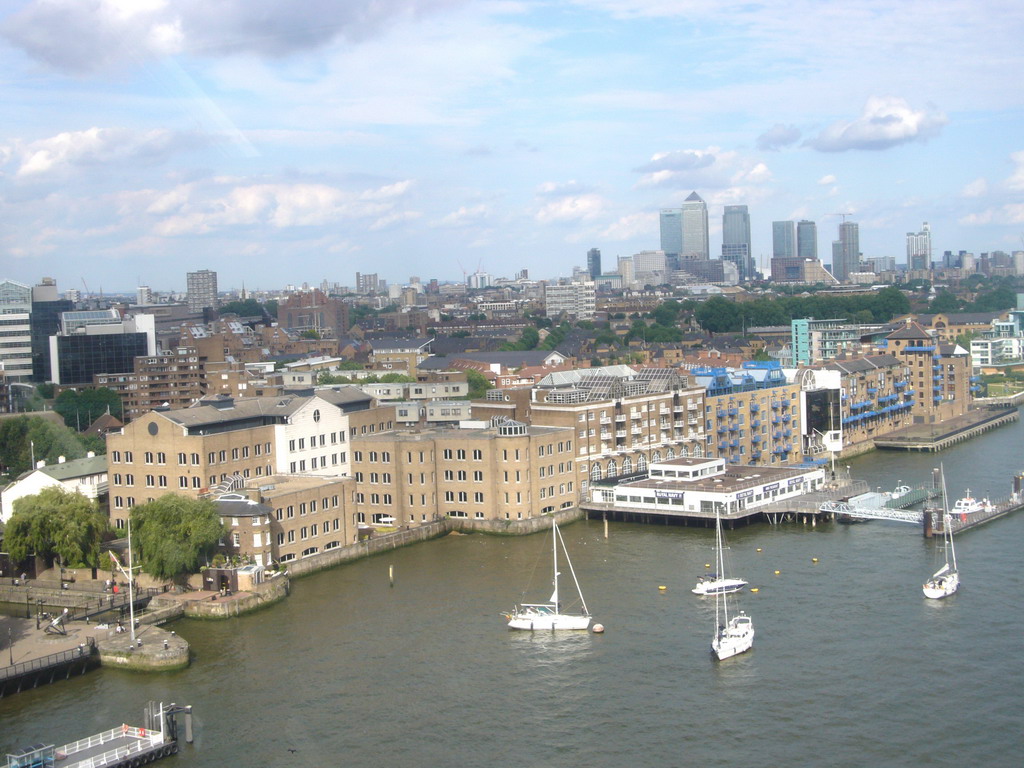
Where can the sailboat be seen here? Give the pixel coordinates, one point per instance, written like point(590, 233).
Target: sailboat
point(549, 615)
point(945, 581)
point(732, 636)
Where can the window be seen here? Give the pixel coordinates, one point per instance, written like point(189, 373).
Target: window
point(447, 453)
point(115, 457)
point(478, 497)
point(161, 458)
point(449, 495)
point(478, 476)
point(182, 459)
point(478, 455)
point(195, 459)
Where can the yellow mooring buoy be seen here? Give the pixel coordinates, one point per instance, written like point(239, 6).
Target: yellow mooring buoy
point(814, 559)
point(754, 589)
point(662, 588)
point(778, 572)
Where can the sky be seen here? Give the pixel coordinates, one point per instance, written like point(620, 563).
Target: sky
point(284, 142)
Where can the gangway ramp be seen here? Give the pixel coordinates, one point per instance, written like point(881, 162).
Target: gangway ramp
point(872, 513)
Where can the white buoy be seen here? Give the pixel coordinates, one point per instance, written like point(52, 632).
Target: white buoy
point(391, 575)
point(599, 629)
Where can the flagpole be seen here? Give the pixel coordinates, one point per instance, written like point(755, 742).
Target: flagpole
point(131, 582)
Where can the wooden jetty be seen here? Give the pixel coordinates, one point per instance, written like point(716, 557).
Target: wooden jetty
point(123, 746)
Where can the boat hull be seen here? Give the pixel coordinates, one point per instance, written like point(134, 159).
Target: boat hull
point(530, 621)
point(735, 638)
point(944, 586)
point(718, 586)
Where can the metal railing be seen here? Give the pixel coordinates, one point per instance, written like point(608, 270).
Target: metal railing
point(45, 662)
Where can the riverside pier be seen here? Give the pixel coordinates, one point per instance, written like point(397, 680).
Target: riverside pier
point(938, 437)
point(123, 746)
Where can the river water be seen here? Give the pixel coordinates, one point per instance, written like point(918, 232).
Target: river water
point(852, 666)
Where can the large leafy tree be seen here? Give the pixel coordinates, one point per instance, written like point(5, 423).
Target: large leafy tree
point(58, 525)
point(23, 438)
point(478, 384)
point(79, 409)
point(174, 534)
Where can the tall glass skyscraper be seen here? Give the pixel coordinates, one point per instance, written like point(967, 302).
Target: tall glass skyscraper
point(846, 251)
point(919, 249)
point(736, 240)
point(594, 263)
point(672, 233)
point(783, 240)
point(695, 229)
point(806, 239)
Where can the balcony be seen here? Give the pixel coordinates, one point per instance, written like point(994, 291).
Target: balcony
point(755, 439)
point(755, 455)
point(754, 407)
point(755, 423)
point(787, 432)
point(734, 443)
point(733, 412)
point(776, 404)
point(620, 433)
point(734, 427)
point(872, 390)
point(721, 429)
point(776, 419)
point(720, 413)
point(785, 419)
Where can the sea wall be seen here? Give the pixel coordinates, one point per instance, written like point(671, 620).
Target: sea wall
point(264, 594)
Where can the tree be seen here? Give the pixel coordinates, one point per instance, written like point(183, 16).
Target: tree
point(80, 408)
point(945, 302)
point(56, 524)
point(247, 308)
point(478, 384)
point(23, 438)
point(310, 333)
point(174, 534)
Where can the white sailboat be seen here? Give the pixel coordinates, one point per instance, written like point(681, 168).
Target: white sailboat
point(549, 615)
point(945, 581)
point(732, 635)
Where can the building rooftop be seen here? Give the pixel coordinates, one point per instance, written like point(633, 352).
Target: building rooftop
point(735, 478)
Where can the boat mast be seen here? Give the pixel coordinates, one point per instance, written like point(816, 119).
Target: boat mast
point(720, 567)
point(554, 557)
point(947, 523)
point(586, 611)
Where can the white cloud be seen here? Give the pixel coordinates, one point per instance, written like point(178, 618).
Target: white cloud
point(1011, 214)
point(976, 188)
point(570, 209)
point(87, 36)
point(195, 209)
point(884, 123)
point(636, 225)
point(464, 216)
point(1016, 180)
point(98, 146)
point(827, 179)
point(387, 192)
point(778, 136)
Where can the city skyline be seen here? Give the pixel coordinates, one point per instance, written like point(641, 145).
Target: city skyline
point(147, 140)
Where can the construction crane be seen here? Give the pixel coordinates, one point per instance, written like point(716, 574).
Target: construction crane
point(844, 215)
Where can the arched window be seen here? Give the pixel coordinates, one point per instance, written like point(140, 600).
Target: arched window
point(641, 463)
point(613, 468)
point(683, 453)
point(627, 466)
point(670, 453)
point(656, 457)
point(698, 451)
point(595, 471)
